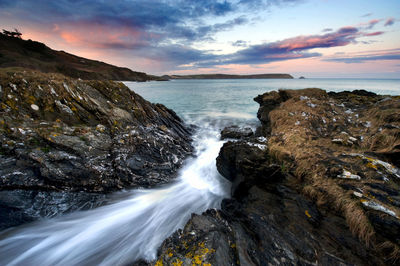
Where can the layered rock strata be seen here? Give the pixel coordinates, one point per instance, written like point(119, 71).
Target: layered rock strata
point(66, 142)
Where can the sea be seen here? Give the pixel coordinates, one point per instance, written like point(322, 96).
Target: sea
point(232, 99)
point(135, 225)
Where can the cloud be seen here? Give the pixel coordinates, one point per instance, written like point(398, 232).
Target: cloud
point(389, 22)
point(288, 49)
point(179, 19)
point(292, 48)
point(240, 43)
point(185, 20)
point(376, 33)
point(370, 24)
point(366, 15)
point(370, 56)
point(164, 30)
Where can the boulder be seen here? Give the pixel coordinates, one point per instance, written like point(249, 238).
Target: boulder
point(236, 132)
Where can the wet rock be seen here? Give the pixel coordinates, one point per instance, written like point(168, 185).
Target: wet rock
point(300, 198)
point(206, 240)
point(65, 135)
point(21, 206)
point(236, 132)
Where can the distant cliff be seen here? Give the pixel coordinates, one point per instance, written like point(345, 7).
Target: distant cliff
point(228, 76)
point(16, 52)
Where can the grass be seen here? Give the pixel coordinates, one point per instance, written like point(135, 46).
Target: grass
point(34, 55)
point(301, 141)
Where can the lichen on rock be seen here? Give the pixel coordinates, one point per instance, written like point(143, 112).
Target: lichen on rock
point(95, 137)
point(302, 198)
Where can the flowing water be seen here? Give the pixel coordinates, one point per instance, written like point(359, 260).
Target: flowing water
point(130, 229)
point(139, 220)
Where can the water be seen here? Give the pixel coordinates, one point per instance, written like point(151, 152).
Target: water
point(138, 221)
point(229, 99)
point(130, 229)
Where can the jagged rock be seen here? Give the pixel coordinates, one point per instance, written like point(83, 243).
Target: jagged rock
point(82, 136)
point(235, 132)
point(301, 198)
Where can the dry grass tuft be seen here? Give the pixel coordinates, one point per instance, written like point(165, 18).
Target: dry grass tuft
point(392, 250)
point(302, 133)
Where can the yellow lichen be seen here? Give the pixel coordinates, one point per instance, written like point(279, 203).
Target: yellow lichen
point(159, 263)
point(30, 99)
point(177, 262)
point(371, 165)
point(197, 256)
point(197, 260)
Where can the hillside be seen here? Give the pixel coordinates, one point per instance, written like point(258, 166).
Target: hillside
point(228, 76)
point(16, 52)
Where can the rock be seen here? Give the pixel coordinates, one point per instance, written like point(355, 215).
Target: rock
point(235, 132)
point(22, 206)
point(205, 240)
point(61, 135)
point(306, 195)
point(239, 161)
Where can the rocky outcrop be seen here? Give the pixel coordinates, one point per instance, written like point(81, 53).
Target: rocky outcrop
point(236, 132)
point(66, 142)
point(318, 184)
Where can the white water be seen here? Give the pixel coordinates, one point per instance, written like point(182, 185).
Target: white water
point(127, 230)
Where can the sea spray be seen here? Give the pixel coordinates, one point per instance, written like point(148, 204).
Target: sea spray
point(130, 229)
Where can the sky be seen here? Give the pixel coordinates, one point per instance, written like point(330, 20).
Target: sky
point(311, 38)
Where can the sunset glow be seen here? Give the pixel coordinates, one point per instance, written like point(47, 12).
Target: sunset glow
point(303, 37)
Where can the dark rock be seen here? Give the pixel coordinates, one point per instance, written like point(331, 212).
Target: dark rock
point(386, 225)
point(236, 132)
point(206, 240)
point(20, 206)
point(299, 199)
point(62, 135)
point(354, 92)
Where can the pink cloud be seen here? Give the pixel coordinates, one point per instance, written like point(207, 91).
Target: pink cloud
point(389, 22)
point(376, 33)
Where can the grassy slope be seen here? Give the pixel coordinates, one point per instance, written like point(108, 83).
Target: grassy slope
point(30, 54)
